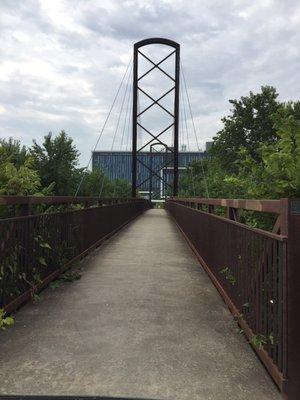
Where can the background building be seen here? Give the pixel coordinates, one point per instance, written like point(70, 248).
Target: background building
point(117, 165)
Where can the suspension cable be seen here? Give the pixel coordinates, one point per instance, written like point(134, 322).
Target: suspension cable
point(181, 126)
point(103, 127)
point(194, 129)
point(129, 123)
point(188, 141)
point(121, 110)
point(117, 127)
point(122, 106)
point(126, 114)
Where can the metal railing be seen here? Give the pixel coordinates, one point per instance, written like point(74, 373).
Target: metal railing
point(36, 248)
point(25, 205)
point(252, 269)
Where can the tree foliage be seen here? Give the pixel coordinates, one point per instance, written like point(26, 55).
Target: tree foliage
point(17, 174)
point(56, 160)
point(12, 151)
point(96, 183)
point(51, 168)
point(249, 124)
point(19, 181)
point(250, 159)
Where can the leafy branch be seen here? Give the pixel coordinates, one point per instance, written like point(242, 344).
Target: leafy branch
point(5, 321)
point(228, 275)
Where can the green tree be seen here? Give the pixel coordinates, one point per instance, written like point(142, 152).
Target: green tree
point(20, 181)
point(96, 183)
point(280, 175)
point(92, 183)
point(210, 178)
point(56, 160)
point(12, 151)
point(249, 125)
point(17, 174)
point(277, 175)
point(120, 188)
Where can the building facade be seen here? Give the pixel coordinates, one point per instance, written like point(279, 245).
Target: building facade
point(117, 165)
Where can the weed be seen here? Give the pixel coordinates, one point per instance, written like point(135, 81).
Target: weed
point(35, 297)
point(246, 306)
point(228, 275)
point(70, 276)
point(258, 340)
point(5, 321)
point(54, 284)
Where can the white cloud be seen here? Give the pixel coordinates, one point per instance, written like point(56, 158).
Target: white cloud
point(62, 60)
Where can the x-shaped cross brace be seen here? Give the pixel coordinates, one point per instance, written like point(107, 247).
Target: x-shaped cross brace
point(153, 136)
point(154, 173)
point(156, 65)
point(156, 137)
point(156, 101)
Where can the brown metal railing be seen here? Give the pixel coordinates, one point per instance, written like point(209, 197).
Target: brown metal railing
point(25, 205)
point(36, 248)
point(252, 270)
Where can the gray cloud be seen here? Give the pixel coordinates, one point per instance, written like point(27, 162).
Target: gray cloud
point(62, 61)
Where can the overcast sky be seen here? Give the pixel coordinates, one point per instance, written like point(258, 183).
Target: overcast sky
point(62, 60)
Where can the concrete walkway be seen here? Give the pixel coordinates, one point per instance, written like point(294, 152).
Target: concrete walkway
point(144, 321)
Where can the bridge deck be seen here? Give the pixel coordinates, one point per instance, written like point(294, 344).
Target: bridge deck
point(143, 321)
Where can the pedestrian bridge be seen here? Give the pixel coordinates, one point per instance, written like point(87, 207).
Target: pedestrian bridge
point(146, 319)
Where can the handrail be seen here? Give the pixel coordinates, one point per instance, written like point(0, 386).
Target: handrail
point(263, 232)
point(270, 206)
point(25, 205)
point(19, 200)
point(279, 207)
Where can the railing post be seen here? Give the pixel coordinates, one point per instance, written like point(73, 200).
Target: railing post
point(211, 208)
point(26, 209)
point(293, 299)
point(232, 213)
